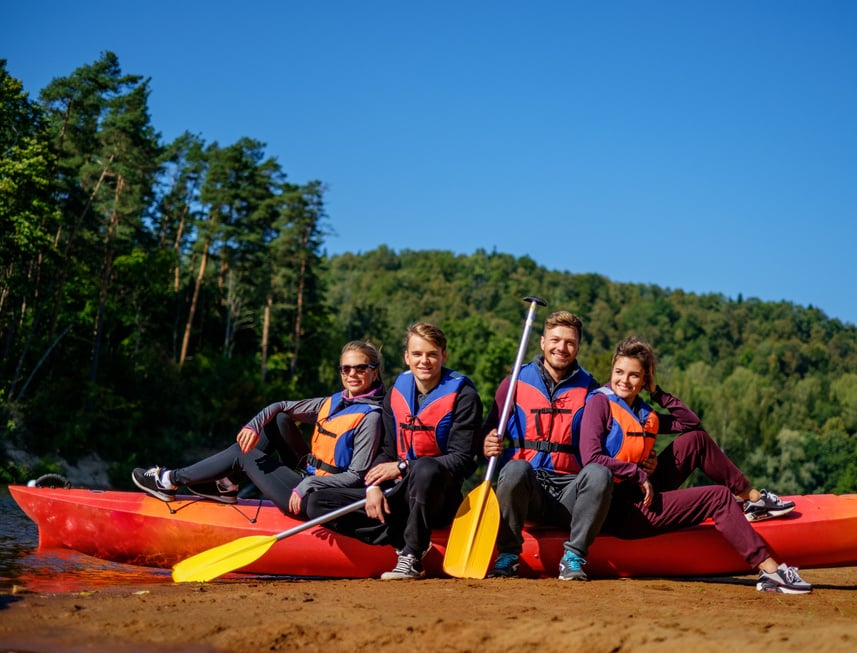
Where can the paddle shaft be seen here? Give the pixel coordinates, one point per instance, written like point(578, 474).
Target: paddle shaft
point(516, 371)
point(326, 517)
point(474, 529)
point(214, 562)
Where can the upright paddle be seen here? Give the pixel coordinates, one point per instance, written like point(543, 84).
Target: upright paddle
point(222, 559)
point(474, 529)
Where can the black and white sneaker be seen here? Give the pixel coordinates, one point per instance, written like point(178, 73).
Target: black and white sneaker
point(150, 481)
point(785, 580)
point(408, 567)
point(768, 506)
point(222, 490)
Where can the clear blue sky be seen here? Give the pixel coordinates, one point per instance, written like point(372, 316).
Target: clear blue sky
point(707, 146)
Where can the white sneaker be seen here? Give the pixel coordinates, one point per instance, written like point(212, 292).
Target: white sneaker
point(407, 568)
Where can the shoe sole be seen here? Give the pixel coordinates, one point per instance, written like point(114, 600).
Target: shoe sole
point(389, 575)
point(219, 499)
point(577, 578)
point(768, 514)
point(166, 498)
point(768, 586)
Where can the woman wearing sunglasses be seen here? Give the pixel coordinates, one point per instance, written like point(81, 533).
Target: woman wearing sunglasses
point(347, 431)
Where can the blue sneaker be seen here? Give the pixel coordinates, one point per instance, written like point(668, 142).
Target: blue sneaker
point(506, 566)
point(571, 567)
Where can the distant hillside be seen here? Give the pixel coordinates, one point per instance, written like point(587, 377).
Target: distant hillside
point(772, 381)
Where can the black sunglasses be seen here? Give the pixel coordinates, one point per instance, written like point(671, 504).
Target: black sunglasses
point(345, 370)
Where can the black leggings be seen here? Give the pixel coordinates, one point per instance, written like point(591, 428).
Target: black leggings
point(426, 498)
point(269, 465)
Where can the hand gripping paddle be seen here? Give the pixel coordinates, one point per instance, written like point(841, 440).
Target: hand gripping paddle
point(474, 529)
point(211, 563)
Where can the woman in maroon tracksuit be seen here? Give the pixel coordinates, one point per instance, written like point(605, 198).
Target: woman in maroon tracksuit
point(618, 431)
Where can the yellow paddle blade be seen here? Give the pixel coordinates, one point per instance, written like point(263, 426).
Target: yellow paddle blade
point(222, 559)
point(473, 534)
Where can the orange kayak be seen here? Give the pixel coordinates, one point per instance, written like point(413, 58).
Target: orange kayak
point(134, 528)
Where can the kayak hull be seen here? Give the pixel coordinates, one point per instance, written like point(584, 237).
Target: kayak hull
point(134, 528)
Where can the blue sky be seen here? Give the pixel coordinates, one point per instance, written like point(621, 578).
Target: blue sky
point(706, 146)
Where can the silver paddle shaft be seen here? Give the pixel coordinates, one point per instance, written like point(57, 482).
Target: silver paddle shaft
point(516, 371)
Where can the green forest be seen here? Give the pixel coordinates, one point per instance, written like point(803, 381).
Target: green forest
point(155, 295)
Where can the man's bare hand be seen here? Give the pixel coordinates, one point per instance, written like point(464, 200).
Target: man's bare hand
point(382, 472)
point(376, 503)
point(492, 445)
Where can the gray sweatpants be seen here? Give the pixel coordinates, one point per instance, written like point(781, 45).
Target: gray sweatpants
point(579, 502)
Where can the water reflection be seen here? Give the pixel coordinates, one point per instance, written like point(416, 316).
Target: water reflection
point(22, 564)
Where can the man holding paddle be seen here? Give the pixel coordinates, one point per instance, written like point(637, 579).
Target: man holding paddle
point(432, 416)
point(541, 479)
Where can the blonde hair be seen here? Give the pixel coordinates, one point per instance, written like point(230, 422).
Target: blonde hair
point(366, 348)
point(426, 332)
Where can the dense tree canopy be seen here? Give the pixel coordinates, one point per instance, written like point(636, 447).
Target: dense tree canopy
point(154, 296)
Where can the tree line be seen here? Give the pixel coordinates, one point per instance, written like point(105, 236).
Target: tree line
point(154, 296)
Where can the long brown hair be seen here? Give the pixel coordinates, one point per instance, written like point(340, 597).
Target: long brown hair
point(640, 350)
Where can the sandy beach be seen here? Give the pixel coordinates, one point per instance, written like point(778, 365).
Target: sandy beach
point(551, 616)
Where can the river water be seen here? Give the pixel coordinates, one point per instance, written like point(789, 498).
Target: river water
point(24, 566)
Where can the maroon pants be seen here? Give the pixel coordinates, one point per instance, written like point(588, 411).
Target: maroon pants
point(673, 508)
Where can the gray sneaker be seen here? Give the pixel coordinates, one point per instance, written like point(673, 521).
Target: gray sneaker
point(222, 490)
point(409, 567)
point(785, 580)
point(571, 567)
point(768, 506)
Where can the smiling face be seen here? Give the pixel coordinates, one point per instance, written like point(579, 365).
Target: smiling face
point(627, 378)
point(356, 374)
point(425, 360)
point(560, 345)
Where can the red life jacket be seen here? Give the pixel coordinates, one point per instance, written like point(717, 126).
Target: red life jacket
point(545, 430)
point(424, 431)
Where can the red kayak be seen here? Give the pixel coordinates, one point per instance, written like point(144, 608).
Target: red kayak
point(134, 528)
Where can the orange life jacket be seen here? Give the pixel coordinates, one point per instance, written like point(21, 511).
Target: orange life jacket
point(632, 435)
point(332, 443)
